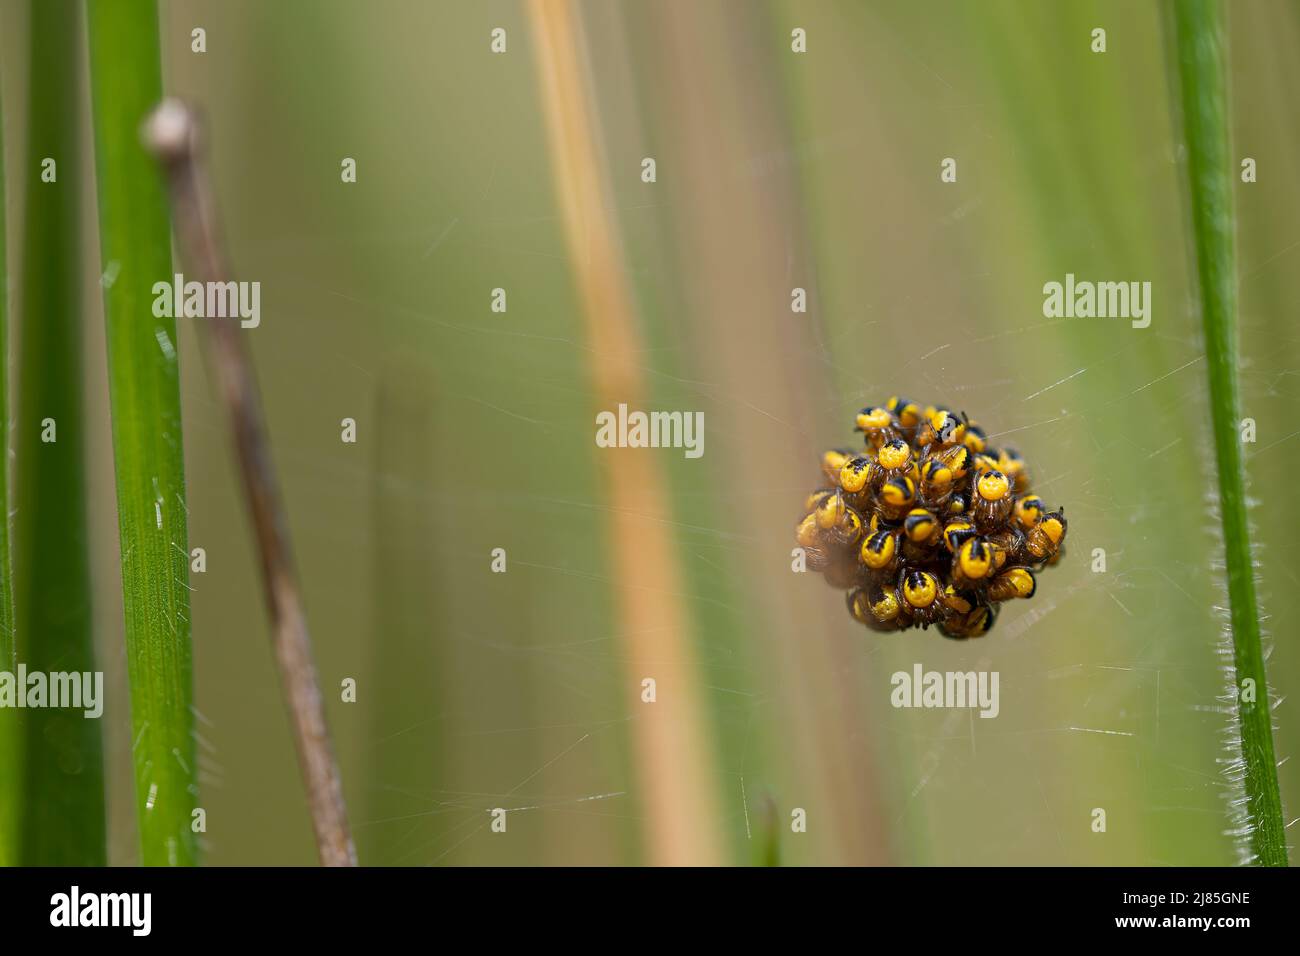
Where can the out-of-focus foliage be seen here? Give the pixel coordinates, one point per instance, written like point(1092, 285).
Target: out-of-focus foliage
point(775, 170)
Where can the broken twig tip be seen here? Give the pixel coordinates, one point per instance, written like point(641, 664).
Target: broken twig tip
point(170, 131)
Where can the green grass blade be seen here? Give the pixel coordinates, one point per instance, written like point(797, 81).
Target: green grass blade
point(8, 649)
point(135, 244)
point(63, 807)
point(10, 752)
point(1201, 51)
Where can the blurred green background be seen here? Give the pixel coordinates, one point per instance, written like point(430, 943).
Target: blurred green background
point(775, 170)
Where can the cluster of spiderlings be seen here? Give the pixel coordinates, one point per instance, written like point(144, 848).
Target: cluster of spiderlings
point(927, 524)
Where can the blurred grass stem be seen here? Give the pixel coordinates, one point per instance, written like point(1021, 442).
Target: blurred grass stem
point(10, 741)
point(63, 806)
point(672, 737)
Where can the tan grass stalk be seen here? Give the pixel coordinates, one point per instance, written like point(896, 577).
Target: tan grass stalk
point(672, 738)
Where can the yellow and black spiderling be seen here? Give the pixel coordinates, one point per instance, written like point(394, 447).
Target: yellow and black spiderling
point(928, 523)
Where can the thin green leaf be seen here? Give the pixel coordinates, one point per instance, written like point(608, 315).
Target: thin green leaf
point(10, 743)
point(63, 806)
point(1201, 49)
point(135, 244)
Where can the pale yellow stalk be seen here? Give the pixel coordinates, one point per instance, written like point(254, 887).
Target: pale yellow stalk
point(672, 738)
